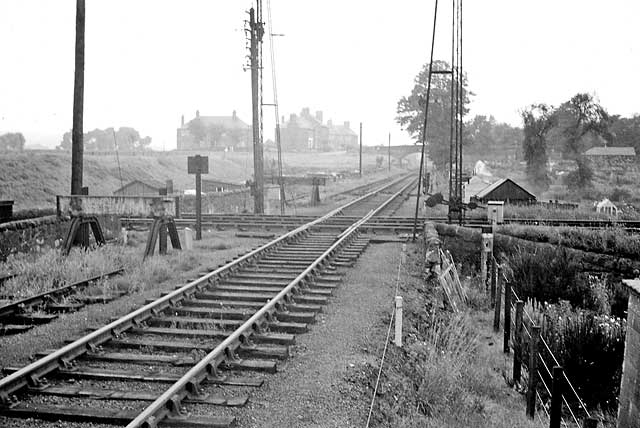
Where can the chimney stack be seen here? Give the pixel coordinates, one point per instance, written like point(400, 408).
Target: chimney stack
point(305, 111)
point(347, 124)
point(292, 118)
point(319, 116)
point(169, 187)
point(329, 123)
point(182, 121)
point(234, 116)
point(197, 113)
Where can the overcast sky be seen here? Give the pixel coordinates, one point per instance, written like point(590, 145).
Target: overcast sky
point(149, 61)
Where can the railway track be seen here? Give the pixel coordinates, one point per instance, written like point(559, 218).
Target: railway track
point(174, 361)
point(21, 315)
point(379, 224)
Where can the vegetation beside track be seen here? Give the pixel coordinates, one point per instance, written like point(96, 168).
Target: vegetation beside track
point(447, 373)
point(582, 314)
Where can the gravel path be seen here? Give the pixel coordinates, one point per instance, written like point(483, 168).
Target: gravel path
point(319, 385)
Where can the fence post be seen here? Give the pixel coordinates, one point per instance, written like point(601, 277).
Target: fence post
point(398, 338)
point(493, 279)
point(496, 314)
point(507, 316)
point(555, 416)
point(517, 337)
point(533, 371)
point(590, 423)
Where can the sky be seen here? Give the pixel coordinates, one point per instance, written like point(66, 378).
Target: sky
point(150, 61)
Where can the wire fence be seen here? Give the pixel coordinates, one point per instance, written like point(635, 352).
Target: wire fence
point(534, 363)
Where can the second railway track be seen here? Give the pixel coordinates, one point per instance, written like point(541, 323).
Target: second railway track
point(174, 361)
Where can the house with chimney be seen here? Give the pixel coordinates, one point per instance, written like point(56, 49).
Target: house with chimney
point(306, 132)
point(214, 133)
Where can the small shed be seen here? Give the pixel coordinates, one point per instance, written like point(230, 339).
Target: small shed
point(505, 190)
point(607, 207)
point(144, 188)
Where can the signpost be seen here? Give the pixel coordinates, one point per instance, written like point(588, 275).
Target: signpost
point(198, 165)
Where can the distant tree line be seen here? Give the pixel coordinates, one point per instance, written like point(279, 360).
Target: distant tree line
point(124, 139)
point(12, 142)
point(569, 130)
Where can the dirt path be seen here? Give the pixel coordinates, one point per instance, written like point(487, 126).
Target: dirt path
point(320, 385)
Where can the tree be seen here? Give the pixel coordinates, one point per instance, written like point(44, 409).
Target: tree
point(127, 139)
point(411, 112)
point(12, 142)
point(538, 119)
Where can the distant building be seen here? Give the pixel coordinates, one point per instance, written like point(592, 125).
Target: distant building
point(145, 188)
point(610, 158)
point(505, 190)
point(308, 132)
point(211, 186)
point(214, 133)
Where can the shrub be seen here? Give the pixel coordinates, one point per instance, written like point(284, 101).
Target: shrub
point(548, 276)
point(589, 346)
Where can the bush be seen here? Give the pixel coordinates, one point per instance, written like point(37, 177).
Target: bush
point(548, 276)
point(589, 346)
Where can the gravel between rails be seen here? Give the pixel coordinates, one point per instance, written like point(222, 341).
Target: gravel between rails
point(313, 388)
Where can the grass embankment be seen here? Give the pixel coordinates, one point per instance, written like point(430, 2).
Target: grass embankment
point(32, 179)
point(449, 372)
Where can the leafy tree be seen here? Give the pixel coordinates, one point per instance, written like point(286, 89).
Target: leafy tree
point(411, 111)
point(625, 132)
point(127, 139)
point(538, 119)
point(588, 116)
point(12, 142)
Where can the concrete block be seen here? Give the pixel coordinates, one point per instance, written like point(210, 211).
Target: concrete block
point(188, 238)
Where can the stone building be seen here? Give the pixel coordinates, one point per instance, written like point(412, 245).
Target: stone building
point(214, 133)
point(309, 132)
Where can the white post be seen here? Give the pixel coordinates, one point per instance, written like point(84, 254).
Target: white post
point(125, 236)
point(398, 339)
point(188, 238)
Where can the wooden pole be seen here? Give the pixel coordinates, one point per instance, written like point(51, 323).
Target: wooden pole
point(507, 317)
point(258, 161)
point(517, 336)
point(496, 313)
point(77, 148)
point(533, 371)
point(360, 158)
point(555, 415)
point(493, 279)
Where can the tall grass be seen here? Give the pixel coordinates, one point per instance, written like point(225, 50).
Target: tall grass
point(614, 240)
point(43, 271)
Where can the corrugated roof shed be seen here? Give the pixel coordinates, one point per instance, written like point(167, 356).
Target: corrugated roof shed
point(610, 151)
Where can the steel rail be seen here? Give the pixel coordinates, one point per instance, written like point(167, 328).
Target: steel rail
point(169, 402)
point(30, 374)
point(38, 299)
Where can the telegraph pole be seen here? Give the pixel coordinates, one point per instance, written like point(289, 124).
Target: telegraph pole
point(360, 167)
point(78, 103)
point(257, 31)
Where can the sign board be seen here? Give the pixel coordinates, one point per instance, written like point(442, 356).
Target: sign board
point(198, 164)
point(125, 206)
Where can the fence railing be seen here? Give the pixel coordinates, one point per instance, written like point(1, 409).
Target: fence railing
point(534, 364)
